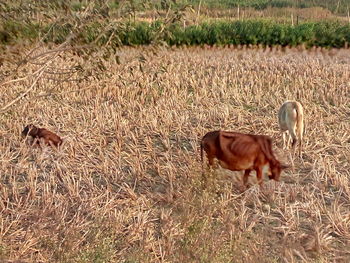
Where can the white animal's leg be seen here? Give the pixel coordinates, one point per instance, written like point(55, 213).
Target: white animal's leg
point(294, 146)
point(300, 143)
point(284, 139)
point(288, 139)
point(291, 160)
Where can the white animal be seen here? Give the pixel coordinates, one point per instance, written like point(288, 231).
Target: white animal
point(291, 120)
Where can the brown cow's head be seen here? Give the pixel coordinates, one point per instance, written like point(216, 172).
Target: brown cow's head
point(276, 170)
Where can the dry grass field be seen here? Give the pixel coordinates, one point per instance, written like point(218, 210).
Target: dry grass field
point(126, 186)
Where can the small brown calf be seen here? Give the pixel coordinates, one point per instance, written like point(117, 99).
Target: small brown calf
point(238, 151)
point(41, 134)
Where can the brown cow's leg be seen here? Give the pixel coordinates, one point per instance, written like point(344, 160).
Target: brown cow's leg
point(36, 142)
point(245, 177)
point(259, 175)
point(211, 160)
point(210, 167)
point(53, 145)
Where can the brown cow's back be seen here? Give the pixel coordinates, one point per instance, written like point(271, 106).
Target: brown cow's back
point(238, 151)
point(49, 136)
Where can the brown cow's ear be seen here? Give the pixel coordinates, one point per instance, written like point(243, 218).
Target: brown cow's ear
point(284, 166)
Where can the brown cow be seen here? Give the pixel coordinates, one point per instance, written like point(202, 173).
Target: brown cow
point(238, 151)
point(39, 134)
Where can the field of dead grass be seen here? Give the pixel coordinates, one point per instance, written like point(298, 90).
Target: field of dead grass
point(126, 186)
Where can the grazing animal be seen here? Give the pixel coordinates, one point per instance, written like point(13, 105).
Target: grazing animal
point(291, 120)
point(238, 151)
point(39, 134)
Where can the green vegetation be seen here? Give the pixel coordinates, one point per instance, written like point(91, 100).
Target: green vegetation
point(262, 32)
point(339, 7)
point(143, 22)
point(248, 32)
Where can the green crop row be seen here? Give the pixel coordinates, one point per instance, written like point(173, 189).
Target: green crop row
point(248, 32)
point(263, 33)
point(339, 6)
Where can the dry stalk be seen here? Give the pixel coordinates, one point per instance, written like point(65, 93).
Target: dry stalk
point(127, 185)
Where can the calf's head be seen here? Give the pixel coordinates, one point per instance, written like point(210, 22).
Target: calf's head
point(30, 129)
